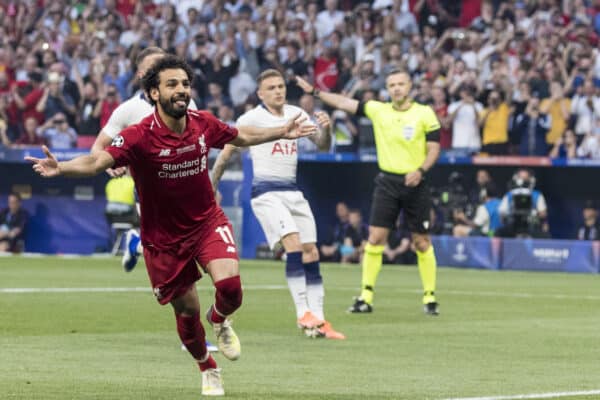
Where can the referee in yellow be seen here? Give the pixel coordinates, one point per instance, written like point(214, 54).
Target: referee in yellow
point(407, 140)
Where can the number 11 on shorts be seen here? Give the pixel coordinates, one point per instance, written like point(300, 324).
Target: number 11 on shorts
point(225, 233)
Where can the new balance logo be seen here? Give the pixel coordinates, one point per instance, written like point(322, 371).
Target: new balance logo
point(230, 249)
point(164, 152)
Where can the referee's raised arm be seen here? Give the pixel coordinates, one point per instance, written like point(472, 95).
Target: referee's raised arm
point(331, 99)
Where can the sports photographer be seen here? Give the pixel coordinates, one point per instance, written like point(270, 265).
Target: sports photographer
point(523, 209)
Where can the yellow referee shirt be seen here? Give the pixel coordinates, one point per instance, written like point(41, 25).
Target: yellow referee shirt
point(400, 136)
point(121, 190)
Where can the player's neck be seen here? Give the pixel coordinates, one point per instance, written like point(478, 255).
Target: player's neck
point(402, 105)
point(275, 110)
point(176, 125)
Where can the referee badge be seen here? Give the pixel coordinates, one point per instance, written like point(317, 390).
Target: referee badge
point(408, 132)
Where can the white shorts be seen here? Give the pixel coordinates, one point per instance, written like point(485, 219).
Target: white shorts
point(282, 213)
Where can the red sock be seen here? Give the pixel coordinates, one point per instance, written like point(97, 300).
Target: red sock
point(192, 335)
point(227, 299)
point(210, 363)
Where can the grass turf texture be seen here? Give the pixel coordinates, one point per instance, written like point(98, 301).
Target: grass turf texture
point(499, 333)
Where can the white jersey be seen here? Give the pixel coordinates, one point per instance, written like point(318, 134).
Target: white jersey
point(130, 113)
point(274, 163)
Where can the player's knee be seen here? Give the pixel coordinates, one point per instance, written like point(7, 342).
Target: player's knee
point(422, 242)
point(310, 253)
point(230, 290)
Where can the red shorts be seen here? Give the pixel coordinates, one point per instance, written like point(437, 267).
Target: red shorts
point(172, 272)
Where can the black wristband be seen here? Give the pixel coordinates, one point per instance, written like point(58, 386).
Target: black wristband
point(422, 171)
point(315, 92)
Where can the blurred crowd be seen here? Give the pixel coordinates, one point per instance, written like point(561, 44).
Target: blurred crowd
point(504, 77)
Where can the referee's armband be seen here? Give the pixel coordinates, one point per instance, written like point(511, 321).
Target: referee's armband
point(360, 111)
point(433, 136)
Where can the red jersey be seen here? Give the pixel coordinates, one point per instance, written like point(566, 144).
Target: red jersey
point(171, 176)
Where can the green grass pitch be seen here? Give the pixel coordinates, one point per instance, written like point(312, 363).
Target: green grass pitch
point(499, 334)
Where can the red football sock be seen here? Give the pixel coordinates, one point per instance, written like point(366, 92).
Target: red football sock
point(227, 299)
point(210, 363)
point(192, 335)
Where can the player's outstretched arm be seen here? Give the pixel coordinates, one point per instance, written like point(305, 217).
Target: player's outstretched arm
point(220, 164)
point(295, 128)
point(82, 166)
point(331, 99)
point(103, 141)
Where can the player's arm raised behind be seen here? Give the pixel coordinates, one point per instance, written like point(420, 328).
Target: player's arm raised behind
point(82, 166)
point(331, 99)
point(220, 163)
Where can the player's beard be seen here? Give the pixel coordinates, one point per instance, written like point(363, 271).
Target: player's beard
point(169, 107)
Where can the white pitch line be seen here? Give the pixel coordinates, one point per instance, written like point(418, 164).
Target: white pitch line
point(111, 289)
point(284, 287)
point(555, 395)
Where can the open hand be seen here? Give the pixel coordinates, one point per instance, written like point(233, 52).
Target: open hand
point(297, 127)
point(323, 119)
point(46, 167)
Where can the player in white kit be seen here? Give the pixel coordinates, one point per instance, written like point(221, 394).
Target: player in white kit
point(280, 207)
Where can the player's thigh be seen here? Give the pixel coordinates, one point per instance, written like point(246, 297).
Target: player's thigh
point(274, 217)
point(387, 201)
point(171, 273)
point(417, 207)
point(304, 218)
point(217, 253)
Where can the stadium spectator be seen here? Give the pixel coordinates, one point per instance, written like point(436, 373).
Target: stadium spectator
point(57, 132)
point(565, 146)
point(27, 103)
point(533, 126)
point(109, 102)
point(330, 248)
point(355, 238)
point(54, 100)
point(403, 161)
point(494, 124)
point(440, 106)
point(4, 140)
point(13, 222)
point(29, 136)
point(486, 220)
point(590, 146)
point(590, 230)
point(464, 116)
point(585, 109)
point(558, 107)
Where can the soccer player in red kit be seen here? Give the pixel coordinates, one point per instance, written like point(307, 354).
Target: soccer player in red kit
point(182, 227)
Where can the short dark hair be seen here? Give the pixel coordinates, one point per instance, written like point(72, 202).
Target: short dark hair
point(15, 194)
point(268, 73)
point(148, 51)
point(151, 80)
point(397, 70)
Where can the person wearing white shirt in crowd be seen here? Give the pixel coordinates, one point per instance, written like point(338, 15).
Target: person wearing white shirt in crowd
point(464, 116)
point(328, 19)
point(585, 108)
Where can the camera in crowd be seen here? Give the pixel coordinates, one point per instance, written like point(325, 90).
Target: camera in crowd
point(523, 219)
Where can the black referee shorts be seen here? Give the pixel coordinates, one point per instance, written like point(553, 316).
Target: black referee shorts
point(391, 195)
